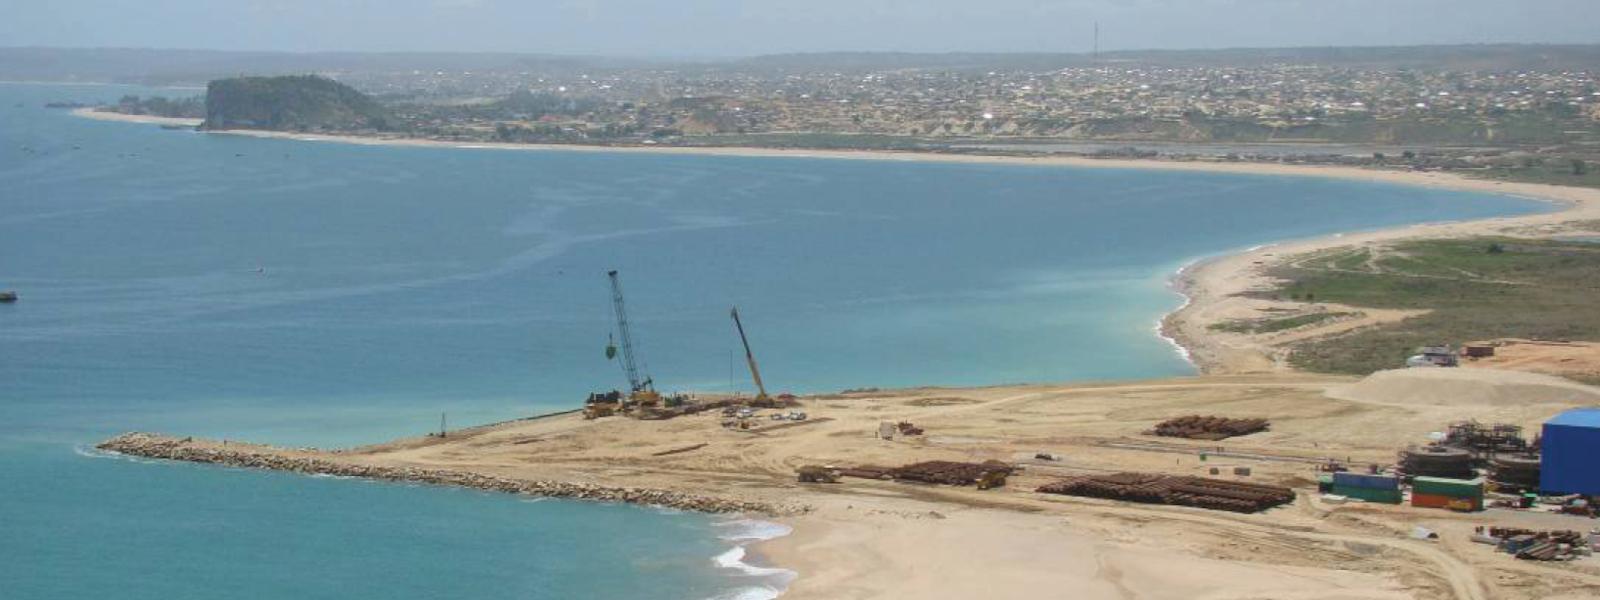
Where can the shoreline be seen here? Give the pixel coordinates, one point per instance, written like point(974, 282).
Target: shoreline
point(310, 462)
point(1209, 285)
point(1421, 178)
point(751, 523)
point(1213, 286)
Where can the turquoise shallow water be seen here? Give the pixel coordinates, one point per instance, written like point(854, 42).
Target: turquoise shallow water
point(328, 294)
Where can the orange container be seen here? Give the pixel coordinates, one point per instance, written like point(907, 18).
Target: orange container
point(1430, 500)
point(1441, 501)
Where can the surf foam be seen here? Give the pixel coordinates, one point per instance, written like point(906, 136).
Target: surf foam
point(773, 580)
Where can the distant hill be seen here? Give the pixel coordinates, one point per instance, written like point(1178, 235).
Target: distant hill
point(291, 103)
point(1475, 57)
point(169, 67)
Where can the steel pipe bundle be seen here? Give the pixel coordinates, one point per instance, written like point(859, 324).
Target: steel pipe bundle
point(952, 473)
point(1151, 488)
point(1208, 428)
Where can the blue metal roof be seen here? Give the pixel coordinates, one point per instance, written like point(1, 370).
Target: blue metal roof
point(1578, 417)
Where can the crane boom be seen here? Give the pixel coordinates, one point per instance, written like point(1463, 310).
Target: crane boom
point(749, 357)
point(636, 381)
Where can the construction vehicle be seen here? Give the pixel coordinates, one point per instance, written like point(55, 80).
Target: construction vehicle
point(761, 399)
point(602, 404)
point(991, 479)
point(641, 389)
point(817, 474)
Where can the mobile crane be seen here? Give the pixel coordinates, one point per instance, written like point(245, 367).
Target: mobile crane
point(761, 399)
point(641, 389)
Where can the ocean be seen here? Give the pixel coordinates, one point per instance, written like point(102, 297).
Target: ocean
point(314, 293)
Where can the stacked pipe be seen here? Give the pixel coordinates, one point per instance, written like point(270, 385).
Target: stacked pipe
point(867, 472)
point(950, 472)
point(1208, 427)
point(1152, 488)
point(1529, 544)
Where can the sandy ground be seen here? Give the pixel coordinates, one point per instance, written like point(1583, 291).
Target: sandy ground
point(1580, 360)
point(874, 539)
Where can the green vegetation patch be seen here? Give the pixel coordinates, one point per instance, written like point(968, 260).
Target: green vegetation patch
point(1278, 324)
point(1583, 172)
point(291, 103)
point(1479, 288)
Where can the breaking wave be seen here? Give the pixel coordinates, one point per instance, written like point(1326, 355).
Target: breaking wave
point(770, 581)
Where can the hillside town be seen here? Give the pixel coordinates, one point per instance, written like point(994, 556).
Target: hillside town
point(1285, 102)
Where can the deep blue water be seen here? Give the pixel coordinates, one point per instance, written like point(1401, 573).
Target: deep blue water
point(330, 294)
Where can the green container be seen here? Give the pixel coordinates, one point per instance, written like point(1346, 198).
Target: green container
point(1454, 488)
point(1369, 494)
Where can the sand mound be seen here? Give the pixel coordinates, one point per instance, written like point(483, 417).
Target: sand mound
point(1465, 387)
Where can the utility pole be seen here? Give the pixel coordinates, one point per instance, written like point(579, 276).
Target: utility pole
point(441, 424)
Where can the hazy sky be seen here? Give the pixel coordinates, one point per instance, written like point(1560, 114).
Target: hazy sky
point(742, 27)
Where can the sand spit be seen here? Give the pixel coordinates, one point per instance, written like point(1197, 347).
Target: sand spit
point(101, 115)
point(151, 445)
point(1217, 288)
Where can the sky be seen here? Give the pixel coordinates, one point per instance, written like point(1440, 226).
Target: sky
point(725, 28)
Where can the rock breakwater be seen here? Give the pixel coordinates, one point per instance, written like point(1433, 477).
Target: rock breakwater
point(150, 445)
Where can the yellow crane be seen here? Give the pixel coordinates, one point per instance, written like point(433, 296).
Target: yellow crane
point(641, 389)
point(762, 399)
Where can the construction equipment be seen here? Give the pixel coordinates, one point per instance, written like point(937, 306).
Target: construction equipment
point(1437, 461)
point(641, 389)
point(818, 474)
point(1515, 472)
point(602, 404)
point(761, 399)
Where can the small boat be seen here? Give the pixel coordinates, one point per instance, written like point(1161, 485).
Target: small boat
point(8, 297)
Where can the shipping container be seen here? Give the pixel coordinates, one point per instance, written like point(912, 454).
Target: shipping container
point(1570, 443)
point(1458, 488)
point(1371, 482)
point(1368, 494)
point(1424, 500)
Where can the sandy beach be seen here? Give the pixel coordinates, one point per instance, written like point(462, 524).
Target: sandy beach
point(1213, 286)
point(1430, 179)
point(100, 115)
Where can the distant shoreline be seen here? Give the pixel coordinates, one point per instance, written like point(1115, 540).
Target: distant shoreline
point(1210, 286)
point(1420, 178)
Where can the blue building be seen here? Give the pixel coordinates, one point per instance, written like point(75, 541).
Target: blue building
point(1570, 462)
